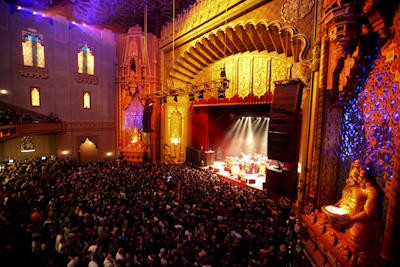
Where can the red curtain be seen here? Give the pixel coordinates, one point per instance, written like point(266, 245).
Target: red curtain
point(200, 128)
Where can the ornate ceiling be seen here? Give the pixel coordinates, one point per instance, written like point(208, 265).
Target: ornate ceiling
point(240, 38)
point(116, 15)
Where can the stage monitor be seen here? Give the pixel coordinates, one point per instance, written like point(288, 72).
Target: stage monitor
point(189, 154)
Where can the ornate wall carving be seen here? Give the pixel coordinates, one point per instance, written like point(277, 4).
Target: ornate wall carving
point(326, 188)
point(295, 10)
point(252, 74)
point(244, 76)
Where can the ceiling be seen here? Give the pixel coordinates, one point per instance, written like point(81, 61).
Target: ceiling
point(116, 15)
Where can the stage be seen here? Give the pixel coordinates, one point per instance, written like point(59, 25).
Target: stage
point(255, 180)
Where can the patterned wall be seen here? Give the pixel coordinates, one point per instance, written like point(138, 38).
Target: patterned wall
point(371, 122)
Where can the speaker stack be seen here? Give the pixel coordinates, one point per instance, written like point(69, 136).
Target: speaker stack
point(284, 122)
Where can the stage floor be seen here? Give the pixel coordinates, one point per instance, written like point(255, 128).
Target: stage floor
point(253, 180)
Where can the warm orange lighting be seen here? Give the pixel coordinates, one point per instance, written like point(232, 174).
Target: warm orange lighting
point(109, 154)
point(175, 141)
point(87, 141)
point(335, 210)
point(65, 152)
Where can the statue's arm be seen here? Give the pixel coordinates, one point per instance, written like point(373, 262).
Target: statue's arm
point(369, 205)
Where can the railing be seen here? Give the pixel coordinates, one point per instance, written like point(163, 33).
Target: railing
point(8, 132)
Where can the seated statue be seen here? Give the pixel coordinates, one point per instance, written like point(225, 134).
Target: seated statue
point(356, 211)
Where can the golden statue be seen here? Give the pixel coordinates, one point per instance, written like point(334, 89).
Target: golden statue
point(356, 211)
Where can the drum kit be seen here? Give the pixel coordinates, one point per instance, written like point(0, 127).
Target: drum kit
point(246, 164)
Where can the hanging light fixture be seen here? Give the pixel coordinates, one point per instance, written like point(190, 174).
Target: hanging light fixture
point(223, 80)
point(191, 97)
point(201, 95)
point(221, 94)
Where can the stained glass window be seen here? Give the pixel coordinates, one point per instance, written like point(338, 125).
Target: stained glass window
point(86, 100)
point(33, 50)
point(35, 97)
point(134, 115)
point(85, 61)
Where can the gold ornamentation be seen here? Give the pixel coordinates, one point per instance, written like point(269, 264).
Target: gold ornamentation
point(295, 10)
point(231, 75)
point(279, 71)
point(346, 78)
point(261, 72)
point(245, 74)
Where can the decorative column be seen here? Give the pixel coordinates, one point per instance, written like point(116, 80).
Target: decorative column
point(391, 241)
point(391, 238)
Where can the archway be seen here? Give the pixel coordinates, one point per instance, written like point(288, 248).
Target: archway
point(88, 151)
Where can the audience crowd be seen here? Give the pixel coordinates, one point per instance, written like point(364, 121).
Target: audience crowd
point(59, 212)
point(11, 116)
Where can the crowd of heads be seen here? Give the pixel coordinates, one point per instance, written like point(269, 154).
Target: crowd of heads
point(9, 115)
point(59, 212)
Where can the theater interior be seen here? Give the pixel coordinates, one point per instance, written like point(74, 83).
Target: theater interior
point(295, 98)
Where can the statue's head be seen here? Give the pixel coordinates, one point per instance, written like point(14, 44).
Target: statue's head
point(358, 174)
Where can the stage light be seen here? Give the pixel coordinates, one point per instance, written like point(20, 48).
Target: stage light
point(201, 95)
point(221, 94)
point(222, 74)
point(163, 100)
point(191, 97)
point(149, 102)
point(225, 84)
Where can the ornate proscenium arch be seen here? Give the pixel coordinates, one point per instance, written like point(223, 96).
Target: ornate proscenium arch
point(241, 37)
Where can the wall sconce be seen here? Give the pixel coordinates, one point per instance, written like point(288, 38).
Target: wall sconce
point(175, 142)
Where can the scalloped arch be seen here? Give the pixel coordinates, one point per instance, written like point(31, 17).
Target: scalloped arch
point(243, 36)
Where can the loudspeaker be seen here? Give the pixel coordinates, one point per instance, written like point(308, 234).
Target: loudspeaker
point(148, 110)
point(196, 157)
point(287, 96)
point(189, 154)
point(282, 183)
point(284, 121)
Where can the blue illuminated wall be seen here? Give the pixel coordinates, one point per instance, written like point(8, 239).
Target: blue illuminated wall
point(371, 121)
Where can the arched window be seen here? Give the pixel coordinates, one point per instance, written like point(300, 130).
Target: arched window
point(134, 114)
point(85, 61)
point(86, 100)
point(33, 50)
point(35, 97)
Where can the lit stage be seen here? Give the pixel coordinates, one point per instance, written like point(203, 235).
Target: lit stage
point(254, 180)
